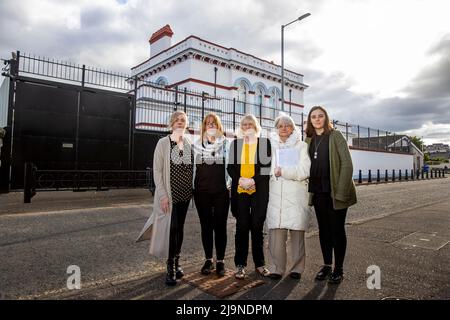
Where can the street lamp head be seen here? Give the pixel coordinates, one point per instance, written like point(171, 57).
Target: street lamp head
point(304, 16)
point(298, 19)
point(282, 55)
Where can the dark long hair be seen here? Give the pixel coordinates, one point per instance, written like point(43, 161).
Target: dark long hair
point(328, 127)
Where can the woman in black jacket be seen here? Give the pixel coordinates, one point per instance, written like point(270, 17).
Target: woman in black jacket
point(249, 169)
point(211, 194)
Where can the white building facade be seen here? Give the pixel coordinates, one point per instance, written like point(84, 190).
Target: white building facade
point(202, 66)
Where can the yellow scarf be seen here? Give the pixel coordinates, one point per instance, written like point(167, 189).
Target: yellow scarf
point(247, 164)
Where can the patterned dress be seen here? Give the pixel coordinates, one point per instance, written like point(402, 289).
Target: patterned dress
point(181, 172)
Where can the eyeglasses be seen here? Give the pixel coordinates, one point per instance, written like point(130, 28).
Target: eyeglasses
point(284, 126)
point(211, 124)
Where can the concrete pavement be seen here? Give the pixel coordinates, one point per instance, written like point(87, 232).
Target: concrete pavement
point(411, 267)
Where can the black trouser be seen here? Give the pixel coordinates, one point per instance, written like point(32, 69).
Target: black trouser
point(213, 213)
point(250, 217)
point(179, 211)
point(331, 229)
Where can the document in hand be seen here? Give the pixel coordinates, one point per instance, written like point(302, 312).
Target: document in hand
point(287, 157)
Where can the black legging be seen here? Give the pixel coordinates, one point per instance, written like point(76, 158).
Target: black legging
point(331, 229)
point(213, 213)
point(179, 211)
point(250, 217)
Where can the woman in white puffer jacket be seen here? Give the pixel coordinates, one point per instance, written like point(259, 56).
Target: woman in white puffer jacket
point(288, 210)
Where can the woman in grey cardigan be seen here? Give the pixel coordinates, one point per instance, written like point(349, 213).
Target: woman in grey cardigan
point(173, 175)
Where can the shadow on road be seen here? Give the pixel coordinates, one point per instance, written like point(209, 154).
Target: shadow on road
point(317, 293)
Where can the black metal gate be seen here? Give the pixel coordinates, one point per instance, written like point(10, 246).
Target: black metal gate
point(65, 127)
point(63, 116)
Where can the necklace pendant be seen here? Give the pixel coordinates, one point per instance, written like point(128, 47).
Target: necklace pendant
point(315, 155)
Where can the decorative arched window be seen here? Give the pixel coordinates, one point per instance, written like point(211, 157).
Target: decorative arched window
point(274, 102)
point(242, 98)
point(259, 100)
point(161, 81)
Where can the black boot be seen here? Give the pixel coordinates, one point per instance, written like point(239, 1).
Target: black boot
point(336, 276)
point(323, 273)
point(170, 276)
point(179, 273)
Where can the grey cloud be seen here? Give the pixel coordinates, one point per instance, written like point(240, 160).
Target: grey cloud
point(434, 80)
point(394, 114)
point(96, 35)
point(237, 25)
point(439, 134)
point(427, 100)
point(250, 26)
point(95, 17)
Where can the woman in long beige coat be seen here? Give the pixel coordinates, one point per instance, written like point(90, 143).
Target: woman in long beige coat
point(173, 175)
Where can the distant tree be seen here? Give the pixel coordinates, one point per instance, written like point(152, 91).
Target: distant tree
point(418, 142)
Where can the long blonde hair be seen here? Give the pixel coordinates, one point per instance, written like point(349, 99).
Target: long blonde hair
point(174, 117)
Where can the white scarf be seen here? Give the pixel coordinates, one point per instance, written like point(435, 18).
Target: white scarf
point(210, 152)
point(290, 142)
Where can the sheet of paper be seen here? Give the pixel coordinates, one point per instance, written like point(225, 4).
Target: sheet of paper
point(287, 157)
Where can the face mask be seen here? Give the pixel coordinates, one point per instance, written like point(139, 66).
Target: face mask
point(178, 132)
point(249, 132)
point(211, 132)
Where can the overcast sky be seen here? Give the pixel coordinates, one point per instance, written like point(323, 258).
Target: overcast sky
point(378, 63)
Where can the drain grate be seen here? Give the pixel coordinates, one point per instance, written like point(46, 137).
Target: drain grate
point(422, 240)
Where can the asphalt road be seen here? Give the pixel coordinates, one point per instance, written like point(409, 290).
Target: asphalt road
point(96, 231)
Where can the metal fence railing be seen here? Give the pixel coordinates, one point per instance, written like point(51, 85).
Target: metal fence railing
point(47, 68)
point(361, 137)
point(154, 103)
point(83, 180)
point(384, 176)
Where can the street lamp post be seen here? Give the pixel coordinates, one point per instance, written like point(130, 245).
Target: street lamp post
point(282, 55)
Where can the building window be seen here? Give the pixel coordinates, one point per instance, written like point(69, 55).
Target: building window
point(259, 101)
point(274, 103)
point(161, 82)
point(242, 98)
